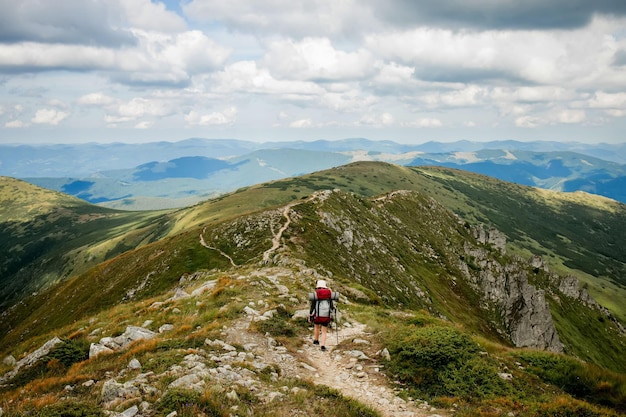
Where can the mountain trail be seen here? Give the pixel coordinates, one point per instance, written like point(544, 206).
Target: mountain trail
point(350, 371)
point(279, 234)
point(357, 375)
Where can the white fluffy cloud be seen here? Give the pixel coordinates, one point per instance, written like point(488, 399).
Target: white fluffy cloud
point(49, 116)
point(225, 117)
point(324, 64)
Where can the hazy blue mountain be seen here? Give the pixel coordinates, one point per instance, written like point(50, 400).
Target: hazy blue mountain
point(176, 174)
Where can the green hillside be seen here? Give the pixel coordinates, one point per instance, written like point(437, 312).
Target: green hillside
point(413, 253)
point(47, 237)
point(574, 233)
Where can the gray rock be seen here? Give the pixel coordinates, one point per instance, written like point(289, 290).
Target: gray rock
point(130, 412)
point(9, 360)
point(134, 364)
point(385, 354)
point(166, 328)
point(96, 349)
point(179, 294)
point(207, 286)
point(300, 314)
point(31, 359)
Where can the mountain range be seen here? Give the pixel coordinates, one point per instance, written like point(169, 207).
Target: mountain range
point(163, 175)
point(478, 295)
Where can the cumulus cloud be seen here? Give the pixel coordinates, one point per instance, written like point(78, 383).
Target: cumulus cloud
point(316, 59)
point(49, 116)
point(424, 123)
point(302, 123)
point(225, 117)
point(158, 58)
point(96, 22)
point(502, 14)
point(295, 19)
point(15, 124)
point(322, 63)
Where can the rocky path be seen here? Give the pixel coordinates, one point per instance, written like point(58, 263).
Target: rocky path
point(357, 375)
point(350, 371)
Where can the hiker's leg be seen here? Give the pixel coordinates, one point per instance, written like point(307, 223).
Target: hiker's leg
point(316, 332)
point(323, 338)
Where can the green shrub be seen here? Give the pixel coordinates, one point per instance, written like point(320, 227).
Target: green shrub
point(433, 356)
point(70, 352)
point(475, 378)
point(279, 325)
point(567, 407)
point(581, 380)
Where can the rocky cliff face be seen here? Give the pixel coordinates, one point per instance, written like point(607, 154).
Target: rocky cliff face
point(504, 287)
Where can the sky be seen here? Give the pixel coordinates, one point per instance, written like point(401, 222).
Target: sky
point(410, 71)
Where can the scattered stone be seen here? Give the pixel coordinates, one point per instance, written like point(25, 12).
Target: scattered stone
point(361, 342)
point(130, 412)
point(385, 354)
point(134, 364)
point(505, 376)
point(147, 323)
point(166, 328)
point(179, 294)
point(250, 311)
point(9, 360)
point(300, 314)
point(232, 395)
point(207, 286)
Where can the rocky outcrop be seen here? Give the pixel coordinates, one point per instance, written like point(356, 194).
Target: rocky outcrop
point(111, 344)
point(524, 310)
point(492, 237)
point(31, 359)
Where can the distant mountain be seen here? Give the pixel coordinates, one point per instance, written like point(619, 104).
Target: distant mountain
point(177, 174)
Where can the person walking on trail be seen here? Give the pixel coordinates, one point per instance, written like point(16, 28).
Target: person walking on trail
point(320, 312)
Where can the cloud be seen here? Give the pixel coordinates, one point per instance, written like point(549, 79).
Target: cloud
point(93, 22)
point(225, 117)
point(376, 120)
point(302, 123)
point(293, 19)
point(137, 108)
point(501, 14)
point(555, 116)
point(424, 123)
point(15, 124)
point(150, 16)
point(96, 99)
point(316, 59)
point(49, 116)
point(156, 59)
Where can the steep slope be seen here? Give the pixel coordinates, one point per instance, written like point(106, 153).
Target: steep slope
point(46, 237)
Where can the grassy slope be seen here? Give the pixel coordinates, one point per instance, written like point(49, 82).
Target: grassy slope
point(50, 236)
point(471, 388)
point(473, 196)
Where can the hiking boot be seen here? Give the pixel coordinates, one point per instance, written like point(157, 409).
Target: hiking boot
point(316, 342)
point(323, 348)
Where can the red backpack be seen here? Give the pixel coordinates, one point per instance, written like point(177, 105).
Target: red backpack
point(323, 306)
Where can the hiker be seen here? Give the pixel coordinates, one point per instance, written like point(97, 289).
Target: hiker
point(320, 312)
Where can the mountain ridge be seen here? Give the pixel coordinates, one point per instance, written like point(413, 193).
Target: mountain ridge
point(415, 271)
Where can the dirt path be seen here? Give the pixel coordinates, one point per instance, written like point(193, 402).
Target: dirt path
point(279, 234)
point(358, 376)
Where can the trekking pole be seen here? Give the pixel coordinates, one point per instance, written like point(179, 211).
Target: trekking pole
point(337, 325)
